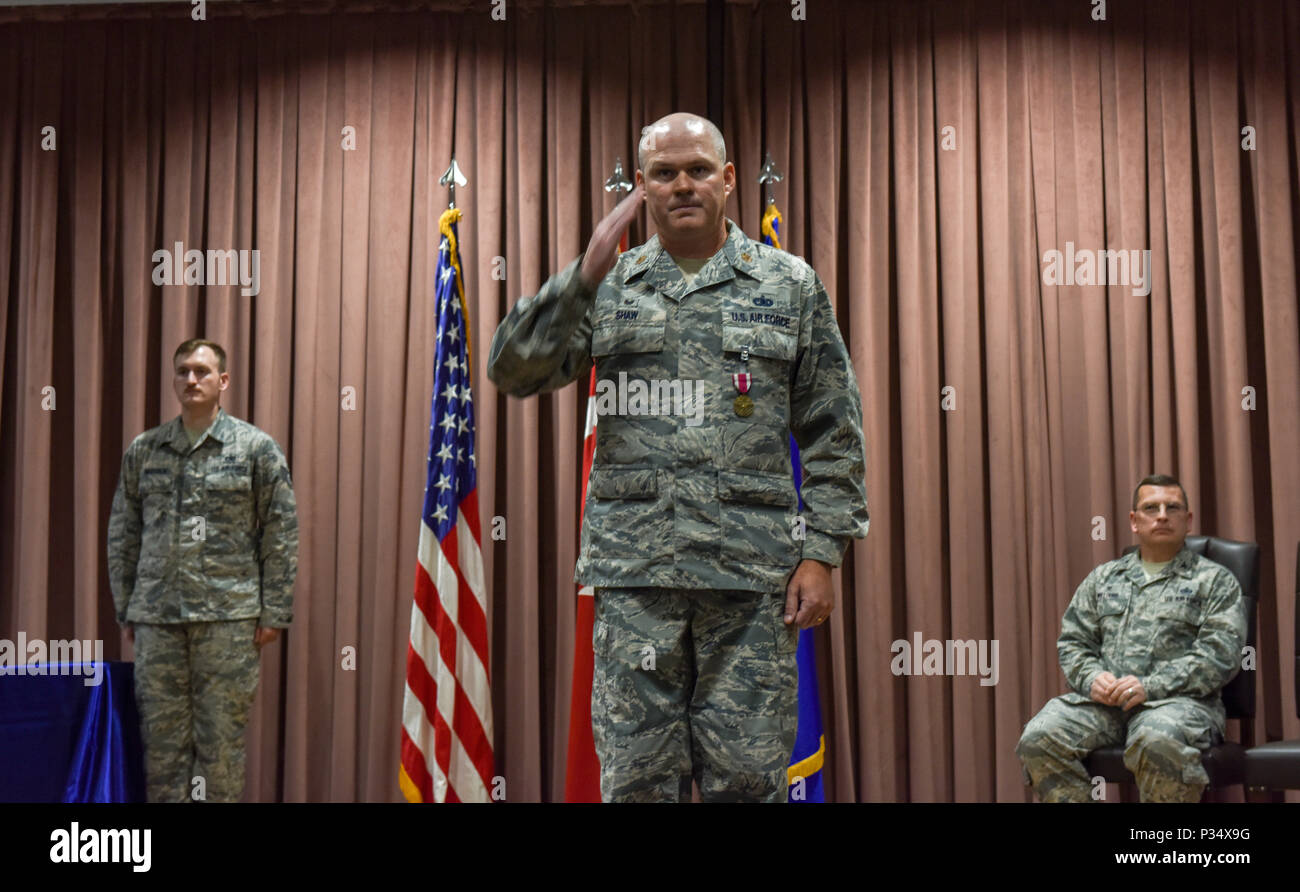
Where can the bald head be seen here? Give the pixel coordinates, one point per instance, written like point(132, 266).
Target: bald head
point(679, 122)
point(683, 168)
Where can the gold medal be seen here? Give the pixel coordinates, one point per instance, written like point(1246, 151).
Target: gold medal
point(744, 406)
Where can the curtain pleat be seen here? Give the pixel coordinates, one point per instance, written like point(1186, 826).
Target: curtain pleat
point(934, 154)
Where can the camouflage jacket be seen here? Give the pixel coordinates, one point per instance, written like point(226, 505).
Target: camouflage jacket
point(203, 533)
point(1180, 633)
point(685, 491)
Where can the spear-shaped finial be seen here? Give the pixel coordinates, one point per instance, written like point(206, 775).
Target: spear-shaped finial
point(769, 176)
point(618, 180)
point(452, 177)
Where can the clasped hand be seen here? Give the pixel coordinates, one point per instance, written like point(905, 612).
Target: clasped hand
point(1125, 692)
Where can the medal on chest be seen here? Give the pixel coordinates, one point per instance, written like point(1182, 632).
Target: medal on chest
point(743, 404)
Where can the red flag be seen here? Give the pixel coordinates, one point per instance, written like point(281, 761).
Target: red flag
point(582, 773)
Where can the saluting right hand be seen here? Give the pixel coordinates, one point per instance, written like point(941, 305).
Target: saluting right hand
point(603, 247)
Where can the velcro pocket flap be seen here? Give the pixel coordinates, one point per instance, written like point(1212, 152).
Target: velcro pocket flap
point(771, 343)
point(622, 483)
point(756, 488)
point(623, 337)
point(156, 482)
point(1179, 611)
point(1111, 604)
point(230, 482)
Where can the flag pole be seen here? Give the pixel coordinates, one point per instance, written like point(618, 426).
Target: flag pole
point(451, 178)
point(582, 768)
point(808, 758)
point(447, 735)
point(768, 177)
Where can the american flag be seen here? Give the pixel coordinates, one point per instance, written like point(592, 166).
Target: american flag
point(447, 706)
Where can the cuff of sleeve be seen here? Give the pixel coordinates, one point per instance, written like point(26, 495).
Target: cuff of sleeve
point(821, 547)
point(576, 284)
point(1089, 677)
point(1154, 687)
point(269, 620)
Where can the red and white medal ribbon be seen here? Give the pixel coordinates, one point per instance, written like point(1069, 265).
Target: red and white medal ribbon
point(741, 380)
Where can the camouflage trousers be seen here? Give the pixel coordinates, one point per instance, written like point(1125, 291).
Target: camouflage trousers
point(194, 686)
point(696, 685)
point(1163, 744)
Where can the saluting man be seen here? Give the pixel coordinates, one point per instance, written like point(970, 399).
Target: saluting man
point(202, 555)
point(691, 537)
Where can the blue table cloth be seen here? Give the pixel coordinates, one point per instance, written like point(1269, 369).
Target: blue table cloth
point(64, 741)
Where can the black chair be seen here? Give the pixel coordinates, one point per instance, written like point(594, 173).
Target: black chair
point(1225, 763)
point(1276, 765)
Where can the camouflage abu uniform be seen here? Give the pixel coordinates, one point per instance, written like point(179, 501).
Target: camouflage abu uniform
point(202, 548)
point(690, 529)
point(1181, 634)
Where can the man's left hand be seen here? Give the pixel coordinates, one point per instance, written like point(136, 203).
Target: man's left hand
point(1129, 692)
point(809, 598)
point(264, 636)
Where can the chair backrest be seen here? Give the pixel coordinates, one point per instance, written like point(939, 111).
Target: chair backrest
point(1242, 560)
